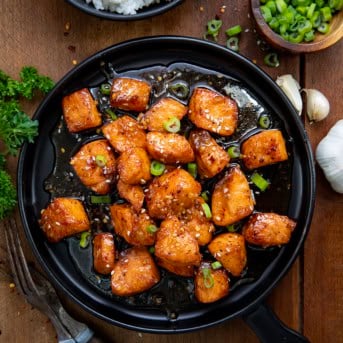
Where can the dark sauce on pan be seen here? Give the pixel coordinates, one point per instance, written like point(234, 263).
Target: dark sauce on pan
point(173, 293)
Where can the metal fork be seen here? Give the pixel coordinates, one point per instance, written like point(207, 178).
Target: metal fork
point(38, 291)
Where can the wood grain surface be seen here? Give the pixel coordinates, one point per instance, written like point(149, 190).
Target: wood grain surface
point(310, 296)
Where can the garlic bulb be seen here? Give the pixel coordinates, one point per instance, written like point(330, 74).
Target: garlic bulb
point(317, 105)
point(291, 88)
point(330, 157)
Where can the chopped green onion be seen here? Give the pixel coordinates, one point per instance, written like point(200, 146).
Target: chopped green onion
point(180, 90)
point(304, 26)
point(259, 181)
point(272, 6)
point(173, 125)
point(100, 199)
point(274, 24)
point(216, 265)
point(295, 37)
point(281, 6)
point(232, 228)
point(310, 10)
point(320, 3)
point(208, 278)
point(112, 115)
point(233, 43)
point(234, 151)
point(157, 168)
point(264, 121)
point(213, 27)
point(272, 60)
point(100, 160)
point(152, 228)
point(204, 195)
point(325, 13)
point(309, 36)
point(151, 250)
point(234, 30)
point(207, 210)
point(105, 89)
point(192, 169)
point(266, 13)
point(84, 240)
point(323, 28)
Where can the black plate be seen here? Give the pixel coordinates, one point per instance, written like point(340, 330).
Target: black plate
point(144, 13)
point(37, 160)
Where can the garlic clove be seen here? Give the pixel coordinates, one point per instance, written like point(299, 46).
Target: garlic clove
point(291, 87)
point(317, 105)
point(330, 158)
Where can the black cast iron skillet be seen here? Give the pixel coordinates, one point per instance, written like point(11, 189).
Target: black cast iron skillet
point(37, 160)
point(144, 13)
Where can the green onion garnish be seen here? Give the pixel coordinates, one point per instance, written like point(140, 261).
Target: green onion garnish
point(84, 240)
point(204, 195)
point(151, 250)
point(105, 89)
point(216, 265)
point(207, 210)
point(192, 169)
point(157, 168)
point(233, 43)
point(272, 60)
point(323, 28)
point(180, 90)
point(172, 125)
point(100, 160)
point(100, 199)
point(264, 121)
point(232, 228)
point(152, 228)
point(208, 278)
point(234, 151)
point(111, 114)
point(259, 181)
point(213, 27)
point(234, 30)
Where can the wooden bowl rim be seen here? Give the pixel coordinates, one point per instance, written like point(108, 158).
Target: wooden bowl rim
point(278, 42)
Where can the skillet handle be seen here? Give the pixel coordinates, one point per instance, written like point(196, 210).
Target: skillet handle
point(269, 328)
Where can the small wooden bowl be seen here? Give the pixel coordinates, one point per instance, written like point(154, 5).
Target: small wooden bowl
point(320, 42)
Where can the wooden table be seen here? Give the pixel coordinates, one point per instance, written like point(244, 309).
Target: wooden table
point(310, 297)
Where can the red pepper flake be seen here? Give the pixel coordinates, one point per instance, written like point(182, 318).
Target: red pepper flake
point(72, 48)
point(74, 62)
point(201, 8)
point(222, 9)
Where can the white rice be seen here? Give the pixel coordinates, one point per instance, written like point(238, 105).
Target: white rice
point(122, 6)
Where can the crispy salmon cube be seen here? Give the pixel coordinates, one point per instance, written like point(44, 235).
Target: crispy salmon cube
point(210, 157)
point(95, 165)
point(195, 222)
point(134, 166)
point(213, 111)
point(210, 285)
point(169, 147)
point(232, 199)
point(130, 94)
point(268, 229)
point(103, 253)
point(62, 218)
point(229, 249)
point(178, 269)
point(176, 245)
point(80, 111)
point(132, 226)
point(131, 193)
point(134, 272)
point(264, 148)
point(171, 193)
point(125, 133)
point(161, 112)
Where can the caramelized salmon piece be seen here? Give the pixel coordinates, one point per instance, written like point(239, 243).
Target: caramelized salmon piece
point(210, 285)
point(62, 218)
point(80, 111)
point(213, 111)
point(130, 94)
point(229, 250)
point(175, 245)
point(169, 148)
point(103, 253)
point(210, 158)
point(134, 272)
point(134, 166)
point(268, 229)
point(131, 193)
point(95, 165)
point(264, 148)
point(124, 133)
point(171, 193)
point(232, 199)
point(175, 268)
point(196, 223)
point(161, 112)
point(132, 226)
